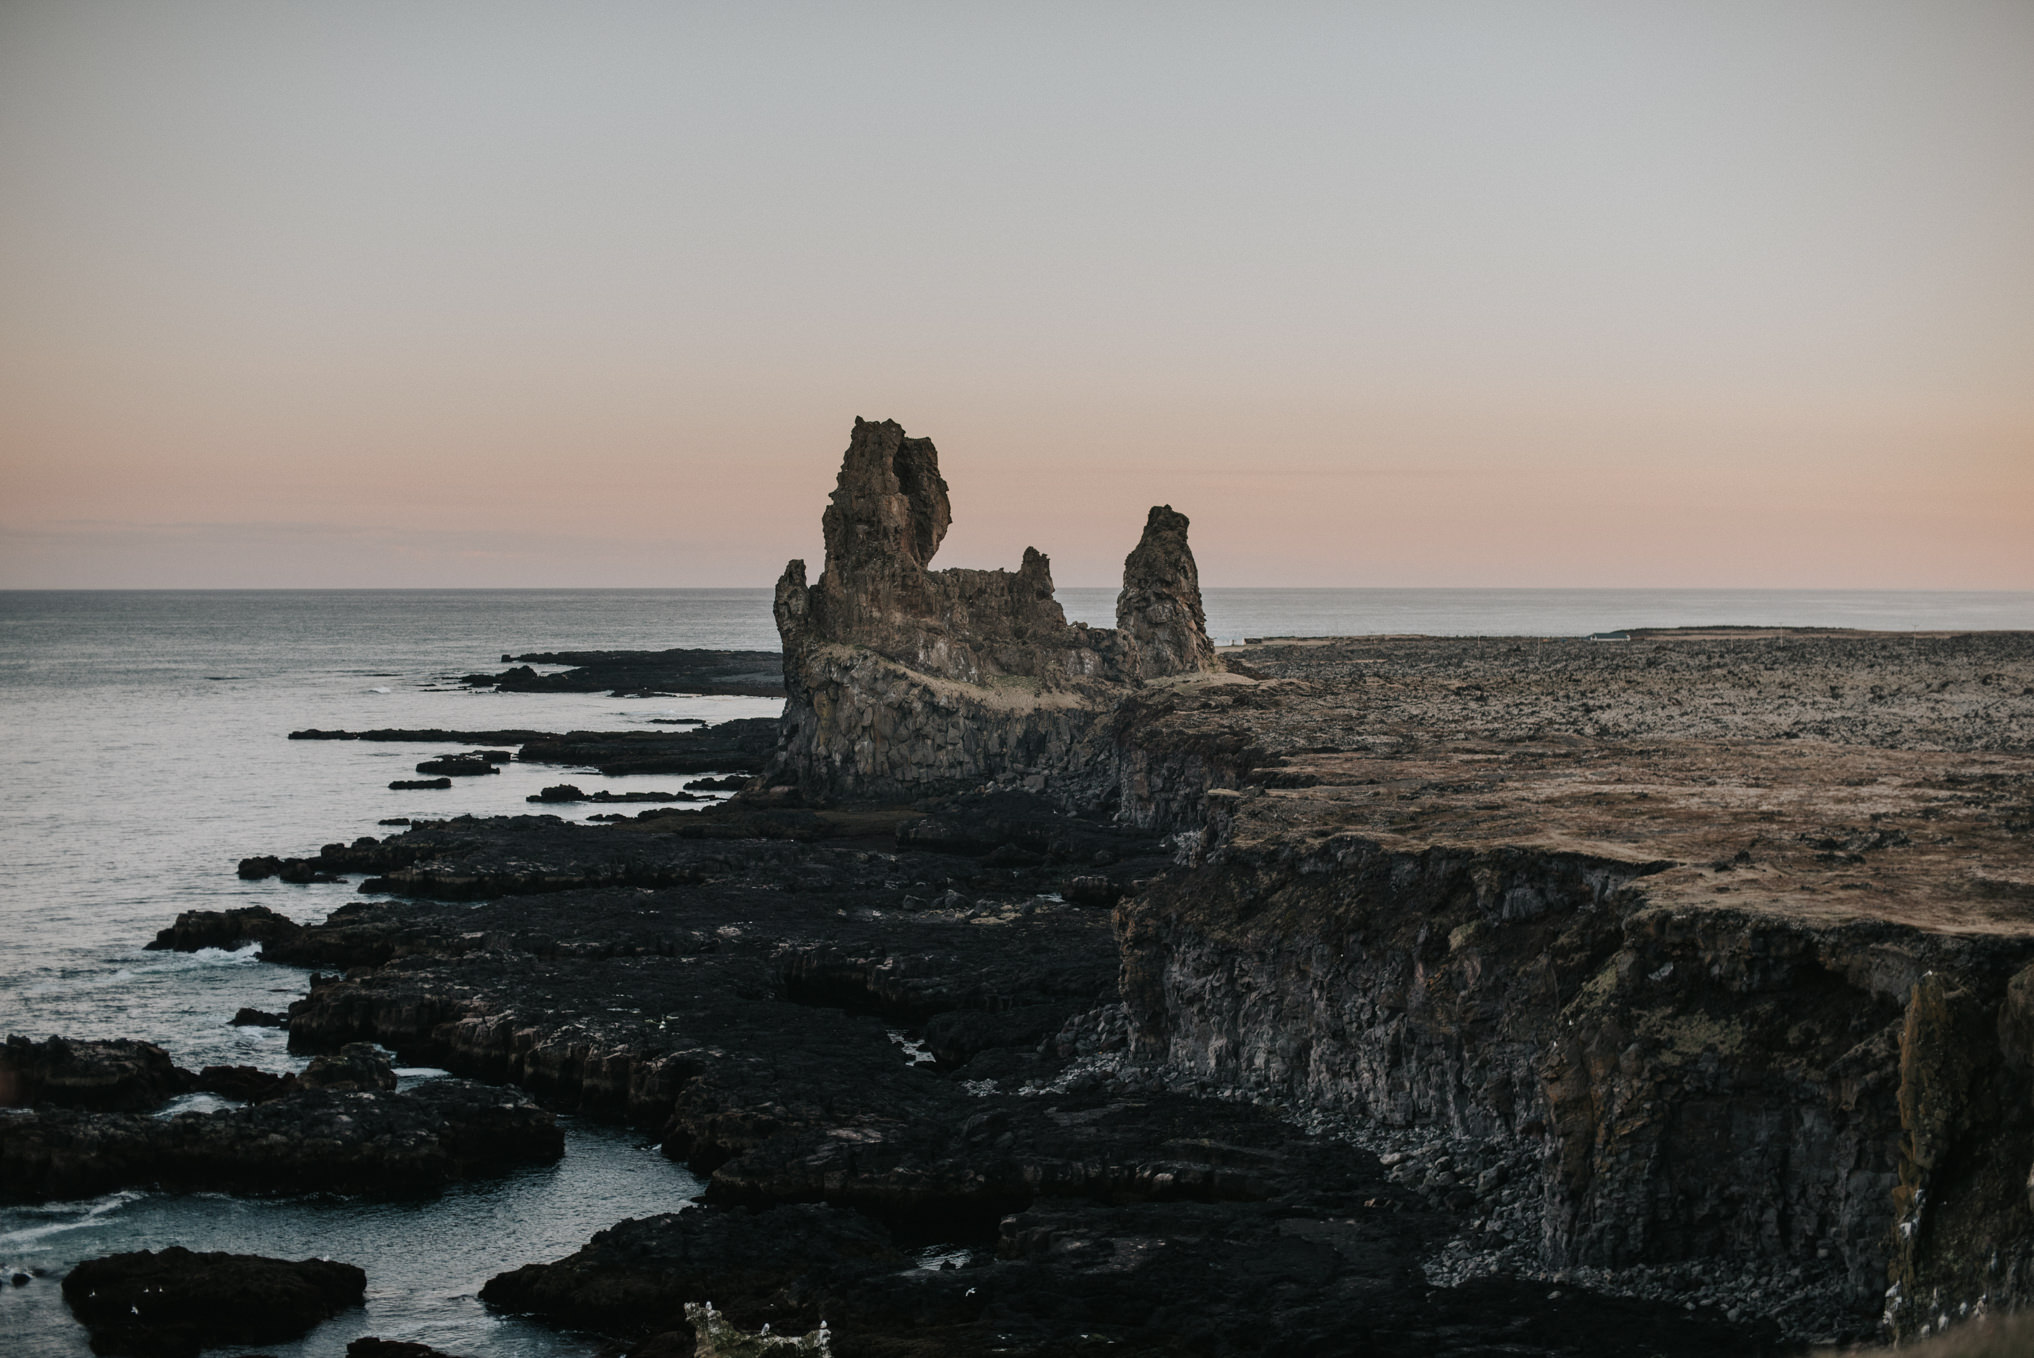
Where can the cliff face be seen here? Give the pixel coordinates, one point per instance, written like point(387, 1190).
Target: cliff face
point(904, 680)
point(1729, 936)
point(1756, 1004)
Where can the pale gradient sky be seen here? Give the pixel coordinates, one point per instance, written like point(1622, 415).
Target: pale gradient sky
point(1703, 294)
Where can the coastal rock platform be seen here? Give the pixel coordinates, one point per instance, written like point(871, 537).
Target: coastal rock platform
point(1670, 992)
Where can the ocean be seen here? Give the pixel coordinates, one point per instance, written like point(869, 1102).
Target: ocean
point(146, 754)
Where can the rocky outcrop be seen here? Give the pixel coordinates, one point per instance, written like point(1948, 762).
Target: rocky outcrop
point(1333, 1274)
point(903, 680)
point(641, 674)
point(235, 928)
point(1158, 614)
point(357, 1065)
point(111, 1077)
point(174, 1303)
point(1760, 1006)
point(310, 1140)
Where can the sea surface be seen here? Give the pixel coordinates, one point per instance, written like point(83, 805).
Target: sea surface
point(145, 754)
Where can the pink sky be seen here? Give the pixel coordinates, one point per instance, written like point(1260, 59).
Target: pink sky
point(497, 295)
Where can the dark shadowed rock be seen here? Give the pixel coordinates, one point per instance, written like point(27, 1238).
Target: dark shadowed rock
point(373, 1347)
point(310, 1140)
point(636, 1276)
point(1158, 614)
point(357, 1065)
point(173, 1303)
point(115, 1076)
point(459, 765)
point(227, 929)
point(738, 746)
point(642, 673)
point(422, 784)
point(243, 1084)
point(248, 1017)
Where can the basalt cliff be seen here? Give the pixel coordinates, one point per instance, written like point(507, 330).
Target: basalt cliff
point(1396, 995)
point(1727, 935)
point(903, 680)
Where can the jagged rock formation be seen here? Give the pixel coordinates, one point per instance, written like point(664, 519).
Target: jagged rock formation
point(1158, 614)
point(903, 680)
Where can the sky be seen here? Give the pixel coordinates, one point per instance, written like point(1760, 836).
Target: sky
point(1445, 294)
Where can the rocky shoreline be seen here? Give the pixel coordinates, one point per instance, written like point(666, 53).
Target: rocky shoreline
point(1049, 987)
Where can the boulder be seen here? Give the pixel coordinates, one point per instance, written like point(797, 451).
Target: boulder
point(373, 1347)
point(243, 1084)
point(236, 928)
point(173, 1303)
point(357, 1065)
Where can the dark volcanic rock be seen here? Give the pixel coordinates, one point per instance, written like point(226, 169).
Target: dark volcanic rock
point(902, 680)
point(739, 746)
point(247, 1017)
point(374, 1347)
point(635, 1277)
point(227, 929)
point(173, 1303)
point(1158, 614)
point(566, 792)
point(458, 765)
point(243, 1084)
point(357, 1065)
point(1164, 1278)
point(643, 673)
point(308, 1141)
point(732, 783)
point(423, 784)
point(116, 1076)
point(428, 735)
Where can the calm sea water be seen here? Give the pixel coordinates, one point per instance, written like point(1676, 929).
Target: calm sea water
point(145, 754)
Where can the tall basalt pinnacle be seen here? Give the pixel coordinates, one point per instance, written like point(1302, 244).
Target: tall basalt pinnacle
point(888, 514)
point(890, 501)
point(900, 678)
point(1158, 614)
